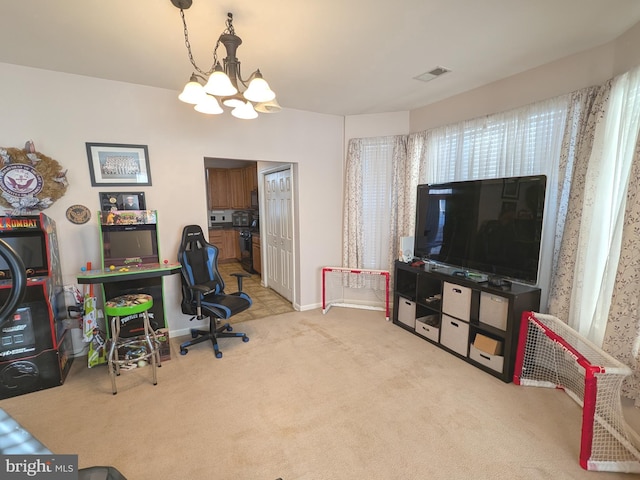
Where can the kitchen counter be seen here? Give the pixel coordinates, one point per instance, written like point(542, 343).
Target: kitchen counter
point(229, 226)
point(223, 226)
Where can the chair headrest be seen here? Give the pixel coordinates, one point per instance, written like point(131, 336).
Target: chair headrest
point(191, 234)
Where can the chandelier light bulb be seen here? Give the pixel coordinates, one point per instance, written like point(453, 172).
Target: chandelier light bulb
point(271, 106)
point(259, 90)
point(245, 112)
point(193, 92)
point(209, 105)
point(219, 84)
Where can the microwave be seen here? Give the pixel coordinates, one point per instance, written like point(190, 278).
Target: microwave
point(241, 219)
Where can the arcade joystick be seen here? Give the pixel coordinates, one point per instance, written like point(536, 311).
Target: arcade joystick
point(112, 267)
point(166, 262)
point(83, 269)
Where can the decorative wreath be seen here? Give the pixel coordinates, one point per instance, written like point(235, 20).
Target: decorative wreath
point(29, 180)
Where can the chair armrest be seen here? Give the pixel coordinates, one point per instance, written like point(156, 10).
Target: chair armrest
point(240, 276)
point(201, 290)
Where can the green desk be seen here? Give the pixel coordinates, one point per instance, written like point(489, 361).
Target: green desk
point(125, 274)
point(145, 278)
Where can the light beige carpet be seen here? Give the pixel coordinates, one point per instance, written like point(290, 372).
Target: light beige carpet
point(346, 395)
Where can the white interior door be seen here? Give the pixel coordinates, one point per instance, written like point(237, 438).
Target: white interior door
point(279, 234)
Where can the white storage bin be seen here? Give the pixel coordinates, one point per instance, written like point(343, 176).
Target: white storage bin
point(407, 312)
point(494, 362)
point(454, 334)
point(456, 301)
point(494, 310)
point(426, 326)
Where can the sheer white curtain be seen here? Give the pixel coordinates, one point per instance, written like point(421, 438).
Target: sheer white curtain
point(519, 142)
point(523, 141)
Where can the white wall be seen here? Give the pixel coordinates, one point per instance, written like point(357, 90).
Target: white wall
point(61, 112)
point(584, 69)
point(376, 125)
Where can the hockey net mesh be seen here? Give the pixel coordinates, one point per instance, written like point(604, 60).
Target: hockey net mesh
point(552, 354)
point(355, 288)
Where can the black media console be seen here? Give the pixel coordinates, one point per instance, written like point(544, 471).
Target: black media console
point(472, 320)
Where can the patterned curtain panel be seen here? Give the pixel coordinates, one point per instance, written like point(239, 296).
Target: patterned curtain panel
point(352, 214)
point(369, 229)
point(622, 335)
point(587, 107)
point(403, 196)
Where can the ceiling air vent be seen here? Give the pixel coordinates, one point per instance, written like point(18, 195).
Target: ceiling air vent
point(430, 75)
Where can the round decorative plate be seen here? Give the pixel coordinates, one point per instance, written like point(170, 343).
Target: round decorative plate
point(78, 214)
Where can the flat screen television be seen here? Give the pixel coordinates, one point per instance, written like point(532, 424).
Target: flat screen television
point(31, 248)
point(129, 244)
point(492, 226)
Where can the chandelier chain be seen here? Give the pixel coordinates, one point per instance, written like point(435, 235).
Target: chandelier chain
point(188, 45)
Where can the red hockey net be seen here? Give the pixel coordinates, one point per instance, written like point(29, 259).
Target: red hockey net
point(355, 288)
point(552, 354)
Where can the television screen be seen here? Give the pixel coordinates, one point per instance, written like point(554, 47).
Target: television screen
point(492, 226)
point(31, 249)
point(129, 244)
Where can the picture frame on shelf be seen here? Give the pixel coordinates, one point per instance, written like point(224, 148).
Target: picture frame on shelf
point(112, 164)
point(122, 201)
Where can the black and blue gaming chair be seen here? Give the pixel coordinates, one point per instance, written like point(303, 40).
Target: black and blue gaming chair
point(203, 290)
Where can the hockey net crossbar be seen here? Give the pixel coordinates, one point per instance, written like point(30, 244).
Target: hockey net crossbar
point(355, 288)
point(552, 354)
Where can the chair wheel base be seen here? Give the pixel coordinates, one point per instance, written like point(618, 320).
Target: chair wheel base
point(245, 339)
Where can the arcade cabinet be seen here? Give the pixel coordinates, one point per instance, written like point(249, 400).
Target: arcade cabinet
point(35, 347)
point(130, 240)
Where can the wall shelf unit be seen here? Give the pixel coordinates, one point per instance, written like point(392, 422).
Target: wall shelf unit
point(472, 320)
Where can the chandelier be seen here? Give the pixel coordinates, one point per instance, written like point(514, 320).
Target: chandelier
point(222, 83)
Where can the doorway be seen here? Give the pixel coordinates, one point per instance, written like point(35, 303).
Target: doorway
point(278, 220)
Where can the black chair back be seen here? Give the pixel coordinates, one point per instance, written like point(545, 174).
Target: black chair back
point(199, 260)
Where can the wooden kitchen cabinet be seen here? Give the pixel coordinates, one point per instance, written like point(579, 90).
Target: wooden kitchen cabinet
point(250, 182)
point(228, 243)
point(231, 187)
point(237, 197)
point(218, 188)
point(256, 252)
point(236, 245)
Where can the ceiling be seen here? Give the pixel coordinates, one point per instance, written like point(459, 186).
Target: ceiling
point(327, 56)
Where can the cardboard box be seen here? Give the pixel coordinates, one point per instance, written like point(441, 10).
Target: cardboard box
point(487, 344)
point(494, 362)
